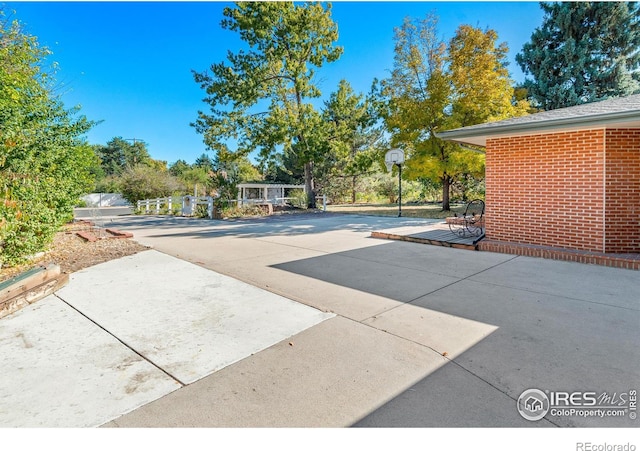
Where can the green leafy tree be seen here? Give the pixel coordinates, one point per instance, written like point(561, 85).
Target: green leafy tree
point(178, 167)
point(482, 90)
point(353, 141)
point(119, 154)
point(261, 96)
point(243, 171)
point(45, 163)
point(283, 167)
point(199, 177)
point(144, 182)
point(117, 157)
point(158, 165)
point(435, 87)
point(197, 180)
point(229, 173)
point(107, 184)
point(206, 162)
point(583, 52)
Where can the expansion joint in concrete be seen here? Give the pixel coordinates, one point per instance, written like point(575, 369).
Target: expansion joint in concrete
point(123, 343)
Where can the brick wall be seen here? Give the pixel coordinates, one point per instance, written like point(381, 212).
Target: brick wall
point(622, 200)
point(547, 189)
point(626, 261)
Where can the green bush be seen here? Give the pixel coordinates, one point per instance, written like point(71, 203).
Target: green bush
point(201, 211)
point(242, 211)
point(143, 182)
point(44, 161)
point(298, 198)
point(108, 184)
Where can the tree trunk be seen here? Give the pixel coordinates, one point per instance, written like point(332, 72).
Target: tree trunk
point(353, 190)
point(446, 185)
point(309, 185)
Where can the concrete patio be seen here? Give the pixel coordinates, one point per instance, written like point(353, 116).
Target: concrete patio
point(396, 333)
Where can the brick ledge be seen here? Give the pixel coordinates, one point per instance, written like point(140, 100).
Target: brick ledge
point(625, 261)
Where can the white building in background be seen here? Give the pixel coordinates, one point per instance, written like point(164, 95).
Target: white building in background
point(105, 200)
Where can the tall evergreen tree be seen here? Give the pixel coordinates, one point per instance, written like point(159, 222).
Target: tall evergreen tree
point(178, 167)
point(583, 52)
point(353, 141)
point(204, 161)
point(261, 96)
point(119, 155)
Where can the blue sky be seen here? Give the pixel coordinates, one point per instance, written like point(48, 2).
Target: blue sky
point(129, 64)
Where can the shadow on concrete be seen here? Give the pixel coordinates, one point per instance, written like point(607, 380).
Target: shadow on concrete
point(277, 225)
point(549, 341)
point(560, 326)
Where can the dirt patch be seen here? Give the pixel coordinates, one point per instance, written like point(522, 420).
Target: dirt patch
point(73, 253)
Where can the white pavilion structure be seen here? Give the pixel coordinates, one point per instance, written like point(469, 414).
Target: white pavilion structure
point(265, 193)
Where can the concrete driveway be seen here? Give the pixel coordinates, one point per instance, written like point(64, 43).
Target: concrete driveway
point(424, 336)
point(399, 334)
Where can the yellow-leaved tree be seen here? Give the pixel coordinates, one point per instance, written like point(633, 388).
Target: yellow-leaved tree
point(436, 86)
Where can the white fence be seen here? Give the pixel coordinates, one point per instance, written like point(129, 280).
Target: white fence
point(188, 204)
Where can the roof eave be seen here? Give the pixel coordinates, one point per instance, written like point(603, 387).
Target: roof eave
point(478, 135)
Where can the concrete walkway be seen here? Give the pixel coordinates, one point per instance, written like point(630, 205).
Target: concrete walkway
point(381, 333)
point(129, 331)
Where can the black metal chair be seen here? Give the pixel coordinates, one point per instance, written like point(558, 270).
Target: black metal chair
point(471, 223)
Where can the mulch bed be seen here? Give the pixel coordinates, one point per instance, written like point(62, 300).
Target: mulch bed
point(74, 253)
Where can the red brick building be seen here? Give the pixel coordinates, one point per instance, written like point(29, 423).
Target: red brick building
point(562, 179)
